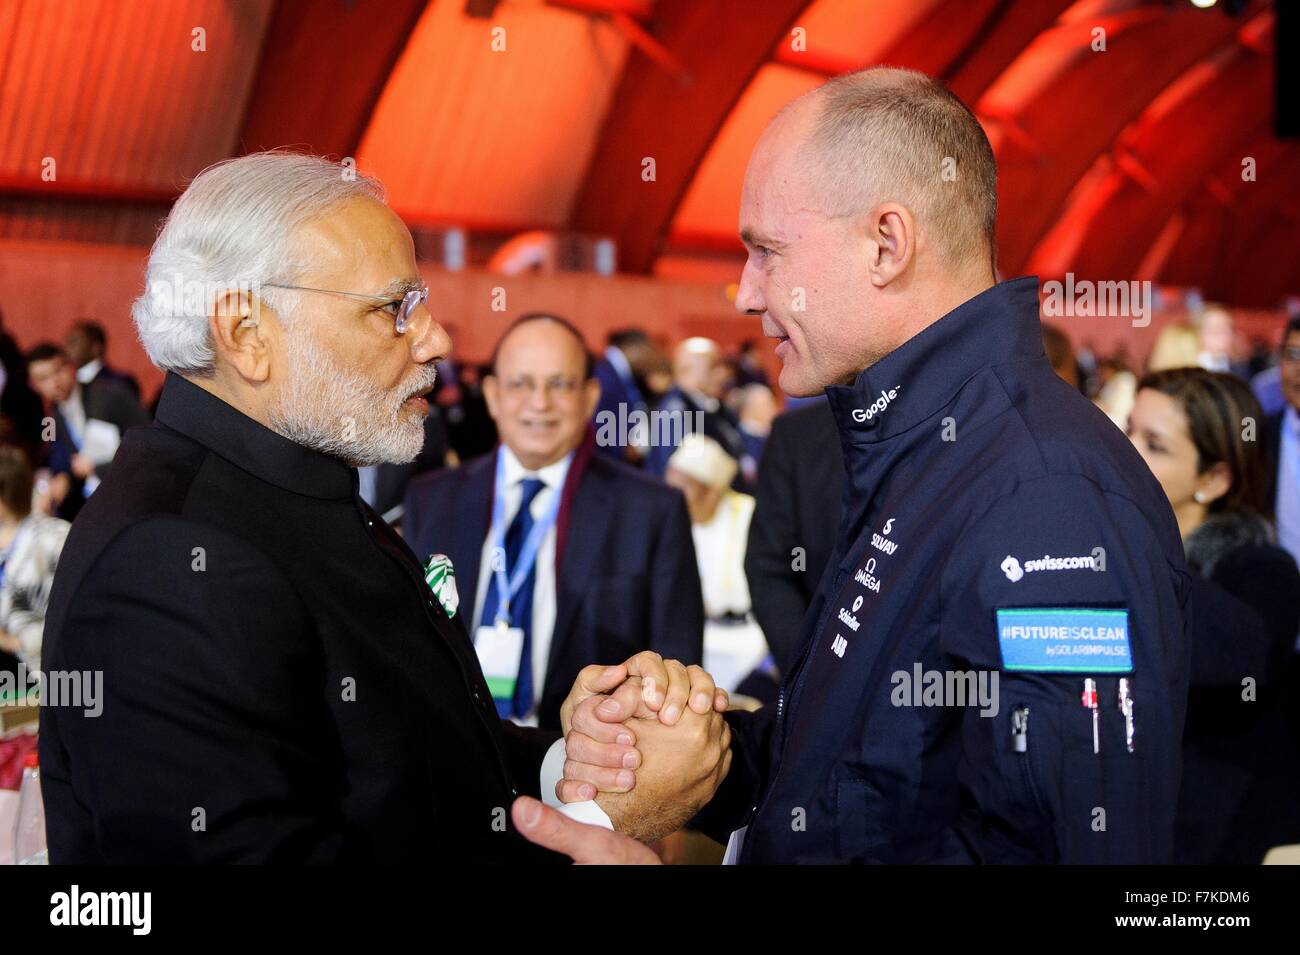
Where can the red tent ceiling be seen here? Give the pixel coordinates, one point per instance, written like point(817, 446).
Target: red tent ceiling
point(1122, 163)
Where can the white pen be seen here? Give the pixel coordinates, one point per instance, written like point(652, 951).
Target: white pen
point(1126, 707)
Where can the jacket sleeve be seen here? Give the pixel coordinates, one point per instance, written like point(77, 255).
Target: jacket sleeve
point(525, 748)
point(779, 596)
point(1039, 591)
point(210, 669)
point(676, 600)
point(734, 802)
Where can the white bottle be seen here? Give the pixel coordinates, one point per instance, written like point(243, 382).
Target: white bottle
point(29, 829)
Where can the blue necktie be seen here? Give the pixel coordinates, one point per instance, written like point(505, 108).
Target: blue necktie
point(521, 607)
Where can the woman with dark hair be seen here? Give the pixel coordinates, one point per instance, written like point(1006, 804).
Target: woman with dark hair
point(1199, 432)
point(30, 544)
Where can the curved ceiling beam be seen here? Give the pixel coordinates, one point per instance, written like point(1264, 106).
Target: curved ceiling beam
point(1116, 217)
point(1051, 140)
point(1008, 30)
point(1223, 208)
point(1259, 263)
point(966, 43)
point(652, 115)
point(322, 68)
point(1257, 280)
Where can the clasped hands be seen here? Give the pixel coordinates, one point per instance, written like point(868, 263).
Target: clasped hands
point(647, 741)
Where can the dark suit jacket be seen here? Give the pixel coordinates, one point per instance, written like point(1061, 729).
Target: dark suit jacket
point(123, 378)
point(627, 577)
point(720, 425)
point(614, 391)
point(800, 478)
point(103, 400)
point(1241, 765)
point(276, 672)
point(108, 401)
point(18, 402)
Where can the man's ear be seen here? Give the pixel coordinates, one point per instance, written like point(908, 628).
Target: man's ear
point(244, 333)
point(491, 394)
point(891, 234)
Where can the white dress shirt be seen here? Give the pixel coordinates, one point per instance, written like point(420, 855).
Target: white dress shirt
point(74, 413)
point(87, 372)
point(553, 476)
point(543, 622)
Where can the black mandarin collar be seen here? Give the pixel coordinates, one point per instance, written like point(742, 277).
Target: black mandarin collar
point(250, 446)
point(998, 325)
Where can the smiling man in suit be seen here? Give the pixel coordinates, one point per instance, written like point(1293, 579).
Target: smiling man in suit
point(611, 567)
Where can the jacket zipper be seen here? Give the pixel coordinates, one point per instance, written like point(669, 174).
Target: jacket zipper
point(794, 682)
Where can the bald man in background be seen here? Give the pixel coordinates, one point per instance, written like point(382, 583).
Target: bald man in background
point(994, 667)
point(615, 566)
point(698, 381)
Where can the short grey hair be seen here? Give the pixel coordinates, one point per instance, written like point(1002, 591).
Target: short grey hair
point(884, 134)
point(233, 227)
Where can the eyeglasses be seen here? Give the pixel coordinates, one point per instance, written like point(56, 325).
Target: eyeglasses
point(401, 308)
point(525, 385)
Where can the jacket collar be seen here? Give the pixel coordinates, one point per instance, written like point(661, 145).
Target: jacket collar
point(923, 374)
point(250, 446)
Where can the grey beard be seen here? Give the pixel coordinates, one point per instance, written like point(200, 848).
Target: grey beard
point(336, 411)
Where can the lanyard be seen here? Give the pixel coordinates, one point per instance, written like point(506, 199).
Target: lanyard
point(507, 588)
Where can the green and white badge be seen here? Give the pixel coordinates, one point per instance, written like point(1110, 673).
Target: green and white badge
point(440, 575)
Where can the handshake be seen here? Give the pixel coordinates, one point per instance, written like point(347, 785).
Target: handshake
point(647, 741)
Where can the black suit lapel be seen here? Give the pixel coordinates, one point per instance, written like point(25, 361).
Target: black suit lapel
point(589, 522)
point(91, 402)
point(474, 505)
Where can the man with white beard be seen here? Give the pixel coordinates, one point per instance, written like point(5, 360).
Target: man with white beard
point(282, 680)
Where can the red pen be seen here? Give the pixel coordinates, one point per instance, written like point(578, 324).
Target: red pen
point(1089, 700)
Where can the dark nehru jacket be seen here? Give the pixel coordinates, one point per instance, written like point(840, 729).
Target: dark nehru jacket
point(278, 682)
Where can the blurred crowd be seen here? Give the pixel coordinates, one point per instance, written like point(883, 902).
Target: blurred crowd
point(63, 411)
point(1218, 424)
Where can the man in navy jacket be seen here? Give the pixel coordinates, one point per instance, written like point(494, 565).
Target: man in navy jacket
point(994, 668)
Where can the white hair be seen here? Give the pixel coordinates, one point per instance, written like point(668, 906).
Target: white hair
point(232, 228)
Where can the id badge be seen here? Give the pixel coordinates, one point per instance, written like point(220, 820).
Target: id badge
point(498, 649)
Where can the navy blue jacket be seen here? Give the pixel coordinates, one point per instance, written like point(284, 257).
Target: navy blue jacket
point(627, 579)
point(977, 483)
point(615, 392)
point(719, 424)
